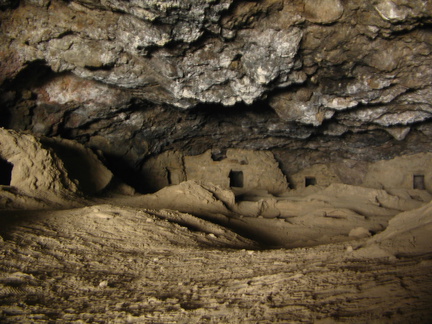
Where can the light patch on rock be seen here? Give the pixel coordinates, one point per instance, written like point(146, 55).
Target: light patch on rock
point(323, 11)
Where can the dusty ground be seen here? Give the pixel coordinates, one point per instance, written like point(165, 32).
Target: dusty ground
point(198, 253)
point(116, 264)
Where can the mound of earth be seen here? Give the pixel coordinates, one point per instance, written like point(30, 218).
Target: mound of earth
point(317, 216)
point(407, 234)
point(198, 198)
point(48, 172)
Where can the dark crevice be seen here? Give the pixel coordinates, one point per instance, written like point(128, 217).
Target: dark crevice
point(34, 74)
point(126, 172)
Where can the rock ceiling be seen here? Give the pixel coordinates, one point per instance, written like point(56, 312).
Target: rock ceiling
point(310, 80)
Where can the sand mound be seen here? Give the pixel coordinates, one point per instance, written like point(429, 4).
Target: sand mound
point(131, 228)
point(113, 264)
point(366, 201)
point(323, 215)
point(408, 233)
point(190, 196)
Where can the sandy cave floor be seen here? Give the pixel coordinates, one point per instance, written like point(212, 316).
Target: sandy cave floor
point(113, 264)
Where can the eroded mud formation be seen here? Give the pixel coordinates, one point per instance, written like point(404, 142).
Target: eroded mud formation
point(283, 148)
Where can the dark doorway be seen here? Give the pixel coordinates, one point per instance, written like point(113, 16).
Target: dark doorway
point(169, 176)
point(419, 182)
point(310, 181)
point(236, 179)
point(5, 172)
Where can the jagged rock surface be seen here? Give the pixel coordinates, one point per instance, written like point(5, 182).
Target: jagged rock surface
point(36, 171)
point(322, 76)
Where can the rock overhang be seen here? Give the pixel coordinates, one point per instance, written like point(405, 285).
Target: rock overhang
point(129, 78)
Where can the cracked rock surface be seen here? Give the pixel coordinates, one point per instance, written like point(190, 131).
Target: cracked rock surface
point(207, 74)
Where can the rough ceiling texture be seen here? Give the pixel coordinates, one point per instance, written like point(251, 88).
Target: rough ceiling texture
point(311, 80)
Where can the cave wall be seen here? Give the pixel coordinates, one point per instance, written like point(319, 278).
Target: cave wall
point(314, 82)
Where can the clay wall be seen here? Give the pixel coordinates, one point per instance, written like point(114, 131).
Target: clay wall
point(404, 172)
point(163, 170)
point(242, 169)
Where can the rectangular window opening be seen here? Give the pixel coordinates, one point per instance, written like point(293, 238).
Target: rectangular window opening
point(310, 181)
point(236, 179)
point(419, 182)
point(5, 172)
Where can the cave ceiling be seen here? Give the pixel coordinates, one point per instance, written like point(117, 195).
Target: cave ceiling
point(313, 81)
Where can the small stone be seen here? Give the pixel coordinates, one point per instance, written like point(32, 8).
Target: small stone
point(359, 232)
point(103, 284)
point(323, 11)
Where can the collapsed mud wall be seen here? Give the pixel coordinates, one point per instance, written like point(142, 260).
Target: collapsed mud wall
point(249, 170)
point(52, 170)
point(35, 170)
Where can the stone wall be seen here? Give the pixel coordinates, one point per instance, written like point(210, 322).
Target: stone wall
point(163, 170)
point(404, 172)
point(408, 172)
point(241, 169)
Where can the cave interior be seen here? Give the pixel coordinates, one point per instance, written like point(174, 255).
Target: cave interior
point(201, 161)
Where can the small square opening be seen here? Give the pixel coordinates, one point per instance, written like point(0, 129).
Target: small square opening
point(419, 182)
point(236, 179)
point(310, 181)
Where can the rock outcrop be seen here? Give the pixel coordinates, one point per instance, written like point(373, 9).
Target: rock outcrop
point(407, 234)
point(36, 171)
point(48, 171)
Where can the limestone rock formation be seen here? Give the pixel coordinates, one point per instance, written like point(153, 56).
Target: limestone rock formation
point(138, 78)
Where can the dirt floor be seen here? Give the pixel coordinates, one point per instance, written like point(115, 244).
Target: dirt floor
point(114, 264)
point(92, 251)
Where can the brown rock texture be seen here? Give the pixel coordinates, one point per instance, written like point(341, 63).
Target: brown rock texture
point(36, 171)
point(327, 80)
point(48, 170)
